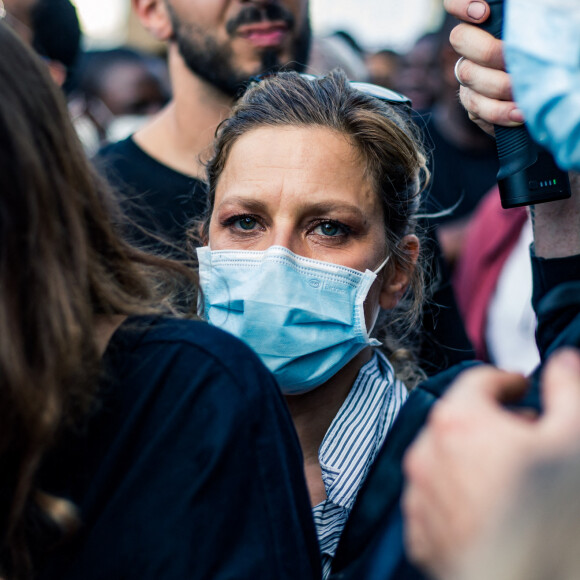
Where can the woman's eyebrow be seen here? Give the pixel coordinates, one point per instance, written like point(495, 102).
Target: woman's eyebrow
point(335, 206)
point(249, 203)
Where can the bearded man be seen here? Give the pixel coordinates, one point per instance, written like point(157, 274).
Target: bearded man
point(214, 48)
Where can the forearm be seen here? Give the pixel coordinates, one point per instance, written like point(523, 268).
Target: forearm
point(557, 225)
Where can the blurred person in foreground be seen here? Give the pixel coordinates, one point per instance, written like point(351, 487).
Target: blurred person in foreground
point(468, 473)
point(536, 536)
point(134, 444)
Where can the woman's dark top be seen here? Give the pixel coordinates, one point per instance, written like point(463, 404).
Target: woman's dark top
point(189, 469)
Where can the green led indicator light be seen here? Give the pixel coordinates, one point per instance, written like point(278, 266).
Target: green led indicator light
point(554, 182)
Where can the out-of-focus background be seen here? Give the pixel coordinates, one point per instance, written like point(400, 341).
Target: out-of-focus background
point(376, 24)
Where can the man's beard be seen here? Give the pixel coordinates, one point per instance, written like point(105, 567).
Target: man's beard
point(215, 63)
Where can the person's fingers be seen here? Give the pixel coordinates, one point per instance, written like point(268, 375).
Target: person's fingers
point(417, 534)
point(468, 10)
point(484, 385)
point(475, 390)
point(489, 82)
point(478, 46)
point(483, 125)
point(444, 504)
point(414, 465)
point(490, 110)
point(485, 86)
point(561, 396)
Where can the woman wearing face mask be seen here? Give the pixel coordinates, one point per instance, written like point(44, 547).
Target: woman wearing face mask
point(113, 432)
point(310, 233)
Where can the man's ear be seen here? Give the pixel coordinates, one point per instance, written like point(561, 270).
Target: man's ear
point(394, 286)
point(154, 16)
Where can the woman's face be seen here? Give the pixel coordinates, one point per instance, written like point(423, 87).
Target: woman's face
point(303, 188)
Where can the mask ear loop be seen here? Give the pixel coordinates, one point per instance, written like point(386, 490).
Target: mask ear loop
point(382, 265)
point(373, 341)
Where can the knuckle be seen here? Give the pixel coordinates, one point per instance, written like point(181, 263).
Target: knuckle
point(506, 87)
point(412, 463)
point(444, 418)
point(417, 461)
point(498, 113)
point(455, 37)
point(488, 53)
point(413, 460)
point(466, 96)
point(466, 72)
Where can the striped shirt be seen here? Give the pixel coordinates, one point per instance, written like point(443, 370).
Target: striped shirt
point(351, 445)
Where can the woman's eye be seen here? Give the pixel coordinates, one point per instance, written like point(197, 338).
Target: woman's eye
point(330, 229)
point(246, 223)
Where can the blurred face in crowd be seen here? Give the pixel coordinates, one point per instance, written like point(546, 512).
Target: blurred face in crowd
point(419, 75)
point(382, 67)
point(227, 41)
point(128, 88)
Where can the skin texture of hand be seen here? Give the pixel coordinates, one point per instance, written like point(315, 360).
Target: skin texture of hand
point(466, 462)
point(486, 88)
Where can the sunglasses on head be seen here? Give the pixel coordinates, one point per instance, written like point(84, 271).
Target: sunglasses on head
point(382, 93)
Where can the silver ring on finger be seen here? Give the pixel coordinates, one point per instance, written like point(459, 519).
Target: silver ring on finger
point(456, 69)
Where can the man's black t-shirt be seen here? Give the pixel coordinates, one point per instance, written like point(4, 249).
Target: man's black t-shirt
point(158, 199)
point(189, 469)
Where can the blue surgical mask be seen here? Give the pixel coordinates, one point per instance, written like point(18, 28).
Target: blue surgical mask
point(304, 318)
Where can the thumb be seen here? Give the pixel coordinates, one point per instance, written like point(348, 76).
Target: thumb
point(468, 10)
point(561, 395)
point(486, 385)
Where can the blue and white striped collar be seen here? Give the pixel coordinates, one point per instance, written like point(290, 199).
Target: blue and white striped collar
point(351, 445)
point(359, 429)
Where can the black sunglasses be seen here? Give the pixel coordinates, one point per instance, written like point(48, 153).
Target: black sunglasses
point(382, 93)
